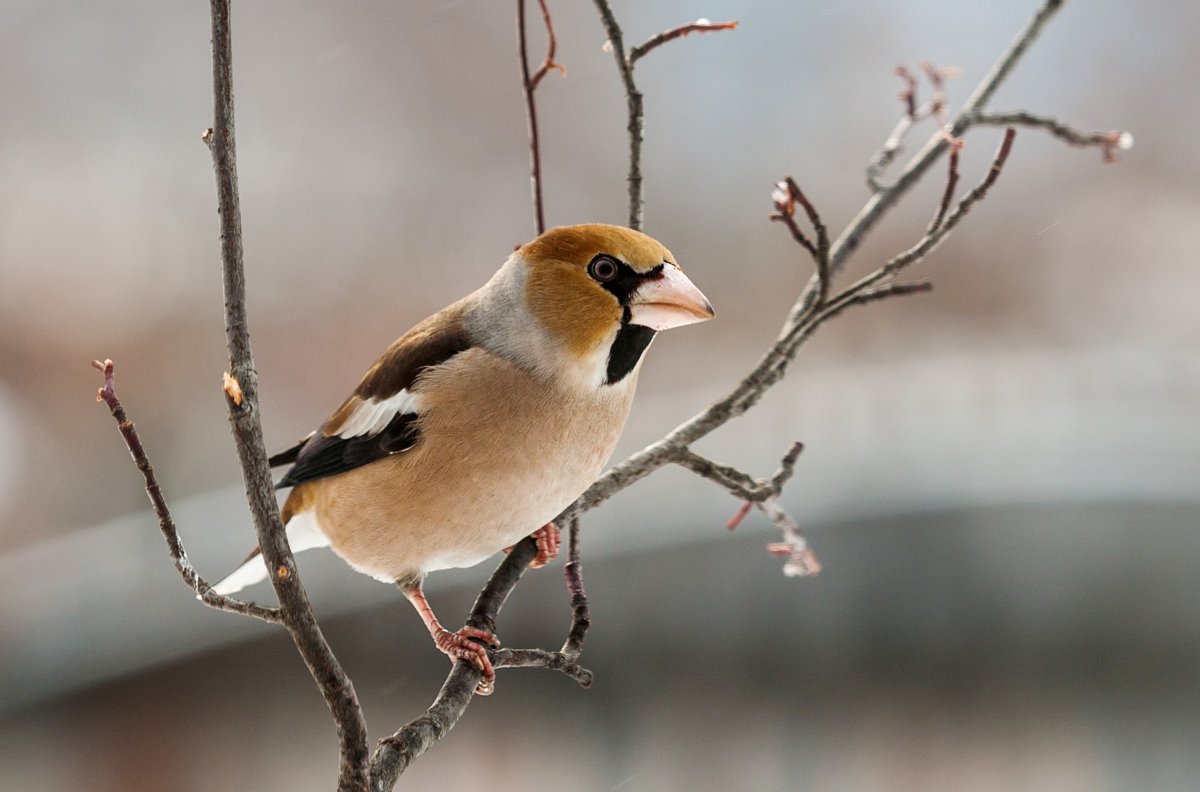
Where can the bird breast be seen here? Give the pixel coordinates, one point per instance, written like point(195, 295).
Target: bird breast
point(501, 453)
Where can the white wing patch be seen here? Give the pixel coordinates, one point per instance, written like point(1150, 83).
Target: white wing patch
point(303, 533)
point(372, 416)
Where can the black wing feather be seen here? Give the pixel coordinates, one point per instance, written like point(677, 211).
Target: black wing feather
point(325, 453)
point(322, 456)
point(288, 456)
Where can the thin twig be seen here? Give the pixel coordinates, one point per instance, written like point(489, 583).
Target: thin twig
point(882, 200)
point(581, 618)
point(772, 366)
point(699, 26)
point(786, 195)
point(937, 81)
point(545, 659)
point(863, 289)
point(297, 613)
point(801, 560)
point(785, 213)
point(1108, 142)
point(763, 494)
point(529, 83)
point(739, 484)
point(909, 95)
point(812, 309)
point(633, 105)
point(913, 114)
point(633, 97)
point(166, 523)
point(948, 193)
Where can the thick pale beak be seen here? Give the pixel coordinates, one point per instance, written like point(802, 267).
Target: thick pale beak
point(669, 301)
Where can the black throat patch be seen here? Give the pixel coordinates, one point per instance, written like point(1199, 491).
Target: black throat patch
point(627, 349)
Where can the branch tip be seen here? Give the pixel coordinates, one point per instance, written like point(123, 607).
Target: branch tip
point(801, 561)
point(909, 95)
point(739, 515)
point(699, 26)
point(1109, 143)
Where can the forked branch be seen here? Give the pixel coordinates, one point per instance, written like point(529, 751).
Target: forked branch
point(530, 82)
point(166, 523)
point(633, 97)
point(817, 304)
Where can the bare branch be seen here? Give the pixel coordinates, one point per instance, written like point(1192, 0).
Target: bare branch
point(542, 658)
point(948, 193)
point(787, 466)
point(998, 161)
point(738, 484)
point(763, 494)
point(633, 104)
point(166, 523)
point(394, 754)
point(862, 290)
point(881, 159)
point(529, 84)
point(548, 62)
point(581, 618)
point(786, 195)
point(1108, 142)
point(909, 94)
point(633, 97)
point(699, 26)
point(811, 310)
point(863, 295)
point(801, 560)
point(937, 80)
point(883, 199)
point(297, 613)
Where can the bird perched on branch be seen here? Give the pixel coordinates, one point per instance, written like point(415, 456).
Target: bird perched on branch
point(486, 420)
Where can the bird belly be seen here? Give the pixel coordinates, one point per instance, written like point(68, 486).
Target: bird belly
point(497, 460)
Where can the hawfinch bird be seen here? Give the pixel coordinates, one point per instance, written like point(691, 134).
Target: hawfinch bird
point(486, 420)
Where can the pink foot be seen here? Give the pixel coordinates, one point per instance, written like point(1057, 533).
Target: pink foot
point(460, 646)
point(548, 538)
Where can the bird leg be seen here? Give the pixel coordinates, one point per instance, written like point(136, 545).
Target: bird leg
point(461, 645)
point(548, 538)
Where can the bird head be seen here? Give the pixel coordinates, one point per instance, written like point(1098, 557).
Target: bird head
point(603, 291)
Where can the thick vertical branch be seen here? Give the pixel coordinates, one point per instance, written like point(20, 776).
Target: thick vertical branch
point(297, 612)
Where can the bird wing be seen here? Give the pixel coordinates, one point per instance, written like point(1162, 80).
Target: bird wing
point(380, 417)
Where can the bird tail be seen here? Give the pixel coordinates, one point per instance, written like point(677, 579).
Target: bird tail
point(303, 533)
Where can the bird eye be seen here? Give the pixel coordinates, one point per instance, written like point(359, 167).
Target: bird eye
point(603, 268)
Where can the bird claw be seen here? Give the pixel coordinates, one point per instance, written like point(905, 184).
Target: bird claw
point(465, 645)
point(548, 538)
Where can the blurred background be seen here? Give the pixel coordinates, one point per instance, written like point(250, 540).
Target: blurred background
point(1000, 477)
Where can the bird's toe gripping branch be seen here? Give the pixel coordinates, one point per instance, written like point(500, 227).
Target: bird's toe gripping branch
point(469, 643)
point(465, 645)
point(548, 539)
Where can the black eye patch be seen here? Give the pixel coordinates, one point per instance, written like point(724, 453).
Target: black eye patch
point(625, 281)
